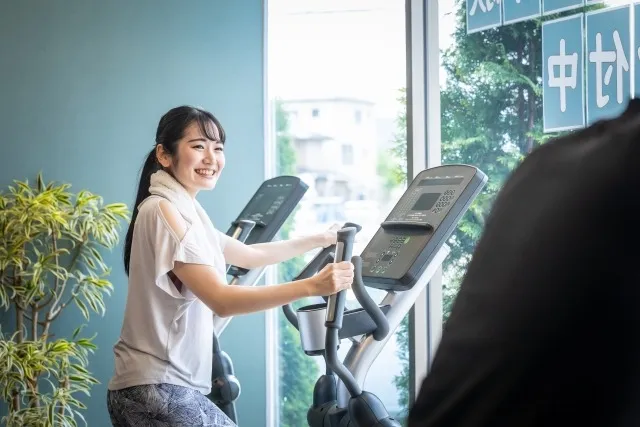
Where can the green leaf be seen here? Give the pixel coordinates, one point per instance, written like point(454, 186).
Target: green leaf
point(51, 414)
point(86, 343)
point(82, 307)
point(80, 369)
point(79, 415)
point(76, 331)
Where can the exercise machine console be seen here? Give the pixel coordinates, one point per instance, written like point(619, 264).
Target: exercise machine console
point(259, 222)
point(400, 259)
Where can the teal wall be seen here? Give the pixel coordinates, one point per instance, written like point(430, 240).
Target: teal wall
point(82, 87)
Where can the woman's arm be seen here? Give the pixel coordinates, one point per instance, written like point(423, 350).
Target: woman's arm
point(261, 254)
point(205, 282)
point(227, 300)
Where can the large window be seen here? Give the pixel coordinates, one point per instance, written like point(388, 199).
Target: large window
point(491, 91)
point(337, 73)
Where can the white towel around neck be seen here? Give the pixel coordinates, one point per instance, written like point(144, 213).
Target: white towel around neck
point(166, 186)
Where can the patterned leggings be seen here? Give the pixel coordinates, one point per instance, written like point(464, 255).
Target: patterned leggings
point(158, 405)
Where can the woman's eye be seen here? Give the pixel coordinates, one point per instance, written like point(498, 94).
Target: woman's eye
point(199, 146)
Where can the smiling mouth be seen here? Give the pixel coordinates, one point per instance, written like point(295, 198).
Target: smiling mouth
point(206, 172)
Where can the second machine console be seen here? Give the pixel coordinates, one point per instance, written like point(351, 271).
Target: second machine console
point(269, 208)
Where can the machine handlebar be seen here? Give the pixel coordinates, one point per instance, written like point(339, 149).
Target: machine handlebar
point(324, 257)
point(367, 303)
point(336, 303)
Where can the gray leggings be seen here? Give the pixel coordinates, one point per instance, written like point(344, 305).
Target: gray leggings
point(163, 405)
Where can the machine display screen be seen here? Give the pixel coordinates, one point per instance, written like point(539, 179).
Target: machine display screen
point(440, 181)
point(386, 257)
point(267, 202)
point(426, 201)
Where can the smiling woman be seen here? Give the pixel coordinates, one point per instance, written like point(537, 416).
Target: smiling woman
point(176, 262)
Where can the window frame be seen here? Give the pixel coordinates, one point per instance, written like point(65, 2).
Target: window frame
point(423, 124)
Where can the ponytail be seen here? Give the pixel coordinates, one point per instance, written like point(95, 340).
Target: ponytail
point(150, 166)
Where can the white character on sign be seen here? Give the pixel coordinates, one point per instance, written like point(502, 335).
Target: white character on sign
point(599, 57)
point(483, 7)
point(562, 80)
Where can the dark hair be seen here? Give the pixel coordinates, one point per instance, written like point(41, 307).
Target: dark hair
point(170, 130)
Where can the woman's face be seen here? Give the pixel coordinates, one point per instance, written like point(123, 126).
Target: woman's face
point(198, 162)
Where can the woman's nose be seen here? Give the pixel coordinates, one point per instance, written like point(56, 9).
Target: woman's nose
point(209, 157)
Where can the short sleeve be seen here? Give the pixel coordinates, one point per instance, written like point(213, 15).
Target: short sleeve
point(169, 249)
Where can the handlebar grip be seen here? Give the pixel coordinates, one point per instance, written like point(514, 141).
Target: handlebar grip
point(344, 244)
point(290, 315)
point(344, 250)
point(367, 303)
point(325, 256)
point(352, 224)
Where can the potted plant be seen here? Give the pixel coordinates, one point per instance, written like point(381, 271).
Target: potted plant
point(50, 260)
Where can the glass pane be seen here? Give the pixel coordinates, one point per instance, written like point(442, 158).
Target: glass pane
point(491, 108)
point(337, 72)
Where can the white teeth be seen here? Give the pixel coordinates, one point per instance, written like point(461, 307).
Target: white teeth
point(205, 172)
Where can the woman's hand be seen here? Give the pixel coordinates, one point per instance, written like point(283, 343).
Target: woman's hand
point(333, 278)
point(330, 237)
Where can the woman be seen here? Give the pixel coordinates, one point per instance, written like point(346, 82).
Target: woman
point(176, 262)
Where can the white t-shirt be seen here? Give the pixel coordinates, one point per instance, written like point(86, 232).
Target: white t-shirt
point(167, 333)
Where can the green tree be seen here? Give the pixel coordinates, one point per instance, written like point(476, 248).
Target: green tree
point(298, 372)
point(491, 116)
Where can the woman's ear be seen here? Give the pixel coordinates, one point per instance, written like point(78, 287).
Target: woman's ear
point(163, 157)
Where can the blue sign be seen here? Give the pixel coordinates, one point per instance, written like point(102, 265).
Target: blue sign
point(483, 14)
point(562, 74)
point(555, 6)
point(636, 50)
point(608, 62)
point(520, 10)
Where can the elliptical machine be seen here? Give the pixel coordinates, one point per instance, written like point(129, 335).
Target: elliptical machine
point(260, 220)
point(401, 258)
